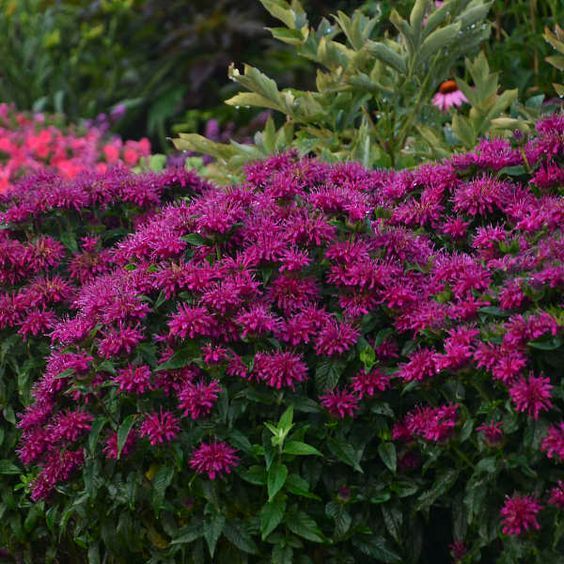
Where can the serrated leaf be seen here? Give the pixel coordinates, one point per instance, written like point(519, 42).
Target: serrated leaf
point(161, 481)
point(300, 449)
point(328, 373)
point(345, 452)
point(387, 452)
point(254, 475)
point(195, 240)
point(95, 431)
point(271, 516)
point(304, 526)
point(181, 358)
point(123, 432)
point(8, 467)
point(277, 475)
point(239, 537)
point(212, 532)
point(440, 487)
point(189, 533)
point(387, 55)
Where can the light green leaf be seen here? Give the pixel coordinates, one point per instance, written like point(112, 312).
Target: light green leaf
point(277, 475)
point(300, 449)
point(271, 516)
point(387, 452)
point(123, 432)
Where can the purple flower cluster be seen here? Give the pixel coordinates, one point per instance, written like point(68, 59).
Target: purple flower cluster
point(447, 273)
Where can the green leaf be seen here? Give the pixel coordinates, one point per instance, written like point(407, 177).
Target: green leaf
point(282, 554)
point(546, 344)
point(304, 526)
point(97, 427)
point(239, 537)
point(328, 373)
point(123, 432)
point(298, 486)
point(189, 533)
point(387, 452)
point(393, 519)
point(181, 357)
point(195, 240)
point(161, 481)
point(285, 422)
point(345, 452)
point(254, 475)
point(212, 532)
point(276, 479)
point(367, 357)
point(438, 40)
point(271, 516)
point(8, 467)
point(300, 449)
point(440, 487)
point(387, 55)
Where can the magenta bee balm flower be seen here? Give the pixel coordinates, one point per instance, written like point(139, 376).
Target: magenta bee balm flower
point(519, 514)
point(214, 459)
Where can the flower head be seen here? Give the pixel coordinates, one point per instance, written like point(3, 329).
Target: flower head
point(449, 96)
point(519, 514)
point(214, 459)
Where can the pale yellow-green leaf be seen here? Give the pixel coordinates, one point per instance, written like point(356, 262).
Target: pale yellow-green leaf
point(417, 14)
point(504, 100)
point(474, 14)
point(439, 39)
point(294, 37)
point(281, 10)
point(463, 130)
point(556, 61)
point(387, 55)
point(200, 144)
point(555, 39)
point(255, 81)
point(247, 99)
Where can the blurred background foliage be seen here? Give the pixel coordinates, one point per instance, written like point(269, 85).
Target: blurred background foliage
point(166, 61)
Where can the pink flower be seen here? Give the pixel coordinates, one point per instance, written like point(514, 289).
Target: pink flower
point(448, 96)
point(458, 550)
point(159, 427)
point(134, 379)
point(191, 322)
point(69, 426)
point(531, 395)
point(111, 446)
point(367, 383)
point(519, 514)
point(421, 366)
point(118, 340)
point(553, 442)
point(432, 424)
point(335, 338)
point(214, 459)
point(492, 432)
point(340, 403)
point(557, 495)
point(280, 369)
point(197, 400)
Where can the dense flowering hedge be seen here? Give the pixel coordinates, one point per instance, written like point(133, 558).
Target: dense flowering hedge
point(326, 362)
point(56, 234)
point(30, 143)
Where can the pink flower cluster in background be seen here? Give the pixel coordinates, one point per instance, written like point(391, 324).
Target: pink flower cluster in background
point(31, 143)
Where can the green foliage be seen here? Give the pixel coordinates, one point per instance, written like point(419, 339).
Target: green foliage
point(556, 39)
point(374, 87)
